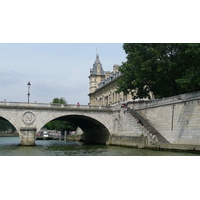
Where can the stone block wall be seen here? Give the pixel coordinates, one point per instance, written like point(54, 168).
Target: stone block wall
point(128, 141)
point(177, 119)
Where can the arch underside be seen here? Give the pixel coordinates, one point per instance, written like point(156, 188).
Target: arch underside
point(3, 118)
point(93, 130)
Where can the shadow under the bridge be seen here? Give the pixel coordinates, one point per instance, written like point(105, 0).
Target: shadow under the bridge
point(6, 127)
point(93, 130)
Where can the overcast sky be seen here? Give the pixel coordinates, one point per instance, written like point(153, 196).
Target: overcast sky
point(36, 42)
point(54, 69)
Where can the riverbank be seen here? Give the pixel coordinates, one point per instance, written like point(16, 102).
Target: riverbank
point(74, 137)
point(9, 135)
point(176, 147)
point(143, 143)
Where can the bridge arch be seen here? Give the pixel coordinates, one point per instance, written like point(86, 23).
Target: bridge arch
point(29, 118)
point(10, 121)
point(93, 130)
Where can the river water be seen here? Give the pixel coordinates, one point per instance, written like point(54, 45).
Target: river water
point(10, 146)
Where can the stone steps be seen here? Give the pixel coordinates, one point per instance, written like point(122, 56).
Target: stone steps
point(148, 126)
point(128, 126)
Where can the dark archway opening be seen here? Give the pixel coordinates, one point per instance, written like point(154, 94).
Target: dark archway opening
point(94, 132)
point(6, 128)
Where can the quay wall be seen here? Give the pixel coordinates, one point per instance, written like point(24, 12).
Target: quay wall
point(176, 118)
point(128, 141)
point(147, 143)
point(9, 135)
point(73, 137)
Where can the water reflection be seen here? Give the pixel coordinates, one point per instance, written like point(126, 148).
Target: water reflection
point(9, 146)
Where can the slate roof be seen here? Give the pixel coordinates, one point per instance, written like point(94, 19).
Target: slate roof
point(97, 62)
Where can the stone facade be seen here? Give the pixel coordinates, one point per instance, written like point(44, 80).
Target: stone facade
point(103, 86)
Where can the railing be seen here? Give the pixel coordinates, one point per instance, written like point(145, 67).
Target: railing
point(53, 105)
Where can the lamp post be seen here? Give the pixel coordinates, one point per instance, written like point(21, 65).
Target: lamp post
point(29, 85)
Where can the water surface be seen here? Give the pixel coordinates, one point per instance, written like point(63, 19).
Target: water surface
point(10, 146)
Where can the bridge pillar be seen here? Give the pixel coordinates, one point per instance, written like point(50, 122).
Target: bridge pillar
point(27, 136)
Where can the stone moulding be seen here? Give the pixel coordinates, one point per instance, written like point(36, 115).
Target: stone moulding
point(28, 117)
point(27, 129)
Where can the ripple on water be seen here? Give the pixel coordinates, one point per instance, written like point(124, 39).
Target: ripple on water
point(10, 146)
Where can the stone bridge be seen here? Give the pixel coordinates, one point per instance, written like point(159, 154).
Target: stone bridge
point(28, 118)
point(174, 120)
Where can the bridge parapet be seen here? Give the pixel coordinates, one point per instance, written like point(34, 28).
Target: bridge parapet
point(50, 105)
point(181, 98)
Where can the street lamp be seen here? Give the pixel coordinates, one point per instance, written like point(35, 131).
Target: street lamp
point(29, 85)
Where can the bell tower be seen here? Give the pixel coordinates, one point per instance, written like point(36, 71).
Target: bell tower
point(97, 74)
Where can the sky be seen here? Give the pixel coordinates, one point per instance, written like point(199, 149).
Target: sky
point(54, 70)
point(53, 45)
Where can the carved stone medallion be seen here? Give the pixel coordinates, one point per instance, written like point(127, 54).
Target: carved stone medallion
point(28, 118)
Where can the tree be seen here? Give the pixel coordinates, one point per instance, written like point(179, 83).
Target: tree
point(162, 69)
point(59, 100)
point(190, 81)
point(6, 125)
point(61, 126)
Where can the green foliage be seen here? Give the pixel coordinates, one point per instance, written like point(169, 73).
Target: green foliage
point(160, 68)
point(60, 125)
point(59, 100)
point(5, 125)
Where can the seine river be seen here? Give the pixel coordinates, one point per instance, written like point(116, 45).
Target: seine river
point(10, 146)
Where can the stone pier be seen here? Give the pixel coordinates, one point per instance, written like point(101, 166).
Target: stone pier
point(27, 136)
